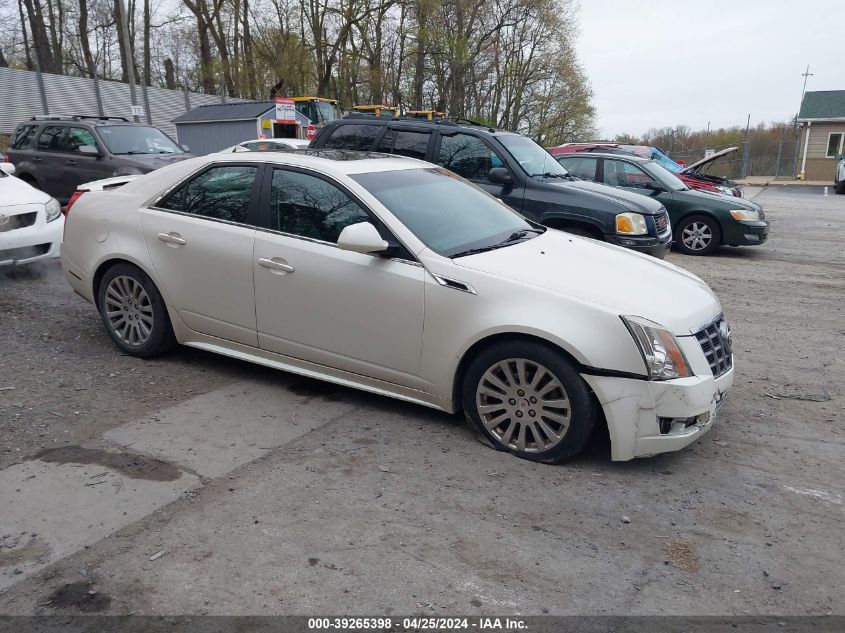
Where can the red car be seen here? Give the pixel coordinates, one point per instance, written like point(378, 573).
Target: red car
point(695, 176)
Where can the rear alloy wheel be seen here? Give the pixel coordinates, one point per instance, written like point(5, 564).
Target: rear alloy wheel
point(839, 187)
point(697, 235)
point(134, 312)
point(526, 399)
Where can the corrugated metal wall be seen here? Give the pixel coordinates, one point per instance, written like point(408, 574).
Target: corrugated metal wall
point(208, 137)
point(20, 99)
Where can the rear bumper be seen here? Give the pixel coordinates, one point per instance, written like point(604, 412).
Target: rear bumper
point(42, 240)
point(645, 418)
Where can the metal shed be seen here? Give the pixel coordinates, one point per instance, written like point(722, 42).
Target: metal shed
point(210, 128)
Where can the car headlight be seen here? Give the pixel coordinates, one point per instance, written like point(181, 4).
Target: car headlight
point(53, 209)
point(631, 224)
point(661, 353)
point(725, 190)
point(745, 215)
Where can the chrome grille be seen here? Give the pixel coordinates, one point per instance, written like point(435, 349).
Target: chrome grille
point(661, 222)
point(19, 221)
point(715, 342)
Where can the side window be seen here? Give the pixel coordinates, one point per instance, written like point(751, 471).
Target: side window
point(619, 173)
point(834, 145)
point(23, 137)
point(467, 156)
point(405, 143)
point(582, 167)
point(50, 138)
point(77, 137)
point(308, 206)
point(357, 137)
point(220, 193)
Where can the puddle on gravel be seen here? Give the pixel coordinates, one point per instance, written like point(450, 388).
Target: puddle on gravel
point(80, 596)
point(128, 464)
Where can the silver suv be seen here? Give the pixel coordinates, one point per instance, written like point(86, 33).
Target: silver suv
point(58, 153)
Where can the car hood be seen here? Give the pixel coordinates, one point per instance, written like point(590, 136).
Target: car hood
point(149, 162)
point(709, 159)
point(631, 201)
point(627, 283)
point(716, 200)
point(15, 191)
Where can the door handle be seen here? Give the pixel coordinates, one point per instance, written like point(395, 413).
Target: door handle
point(172, 238)
point(276, 264)
point(71, 162)
point(35, 159)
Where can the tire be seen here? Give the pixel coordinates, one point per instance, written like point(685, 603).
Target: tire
point(839, 187)
point(507, 410)
point(703, 235)
point(137, 321)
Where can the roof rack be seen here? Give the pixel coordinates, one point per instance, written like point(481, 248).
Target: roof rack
point(76, 117)
point(102, 118)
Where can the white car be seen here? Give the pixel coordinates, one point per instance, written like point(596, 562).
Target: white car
point(267, 145)
point(398, 277)
point(31, 222)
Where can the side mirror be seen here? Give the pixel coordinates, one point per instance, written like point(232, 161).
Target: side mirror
point(654, 186)
point(362, 237)
point(185, 147)
point(7, 168)
point(500, 176)
point(90, 150)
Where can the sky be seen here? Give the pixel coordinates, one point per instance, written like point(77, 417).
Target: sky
point(659, 63)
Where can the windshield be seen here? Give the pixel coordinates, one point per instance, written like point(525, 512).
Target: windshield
point(665, 162)
point(137, 139)
point(663, 176)
point(534, 159)
point(447, 213)
point(326, 111)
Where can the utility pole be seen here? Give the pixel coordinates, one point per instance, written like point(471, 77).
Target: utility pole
point(745, 156)
point(805, 75)
point(130, 60)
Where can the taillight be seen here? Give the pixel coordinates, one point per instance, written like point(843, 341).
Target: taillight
point(6, 158)
point(73, 198)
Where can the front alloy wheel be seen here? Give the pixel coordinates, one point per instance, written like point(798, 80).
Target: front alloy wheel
point(526, 399)
point(697, 235)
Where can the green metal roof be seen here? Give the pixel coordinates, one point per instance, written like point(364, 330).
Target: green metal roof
point(823, 104)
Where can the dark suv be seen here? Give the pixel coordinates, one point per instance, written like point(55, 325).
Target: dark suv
point(58, 153)
point(516, 170)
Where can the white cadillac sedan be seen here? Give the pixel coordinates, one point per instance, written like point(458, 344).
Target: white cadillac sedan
point(398, 277)
point(31, 222)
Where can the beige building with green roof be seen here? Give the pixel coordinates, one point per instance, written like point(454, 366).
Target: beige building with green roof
point(822, 128)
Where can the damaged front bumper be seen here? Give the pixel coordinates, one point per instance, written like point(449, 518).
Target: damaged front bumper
point(645, 418)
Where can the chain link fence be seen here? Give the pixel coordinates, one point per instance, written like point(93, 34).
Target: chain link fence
point(771, 153)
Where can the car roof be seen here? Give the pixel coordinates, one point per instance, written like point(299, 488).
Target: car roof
point(464, 124)
point(335, 160)
point(629, 157)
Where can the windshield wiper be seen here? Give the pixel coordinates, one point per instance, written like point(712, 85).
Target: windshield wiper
point(520, 235)
point(510, 239)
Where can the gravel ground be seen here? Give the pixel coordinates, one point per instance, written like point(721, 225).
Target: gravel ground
point(375, 506)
